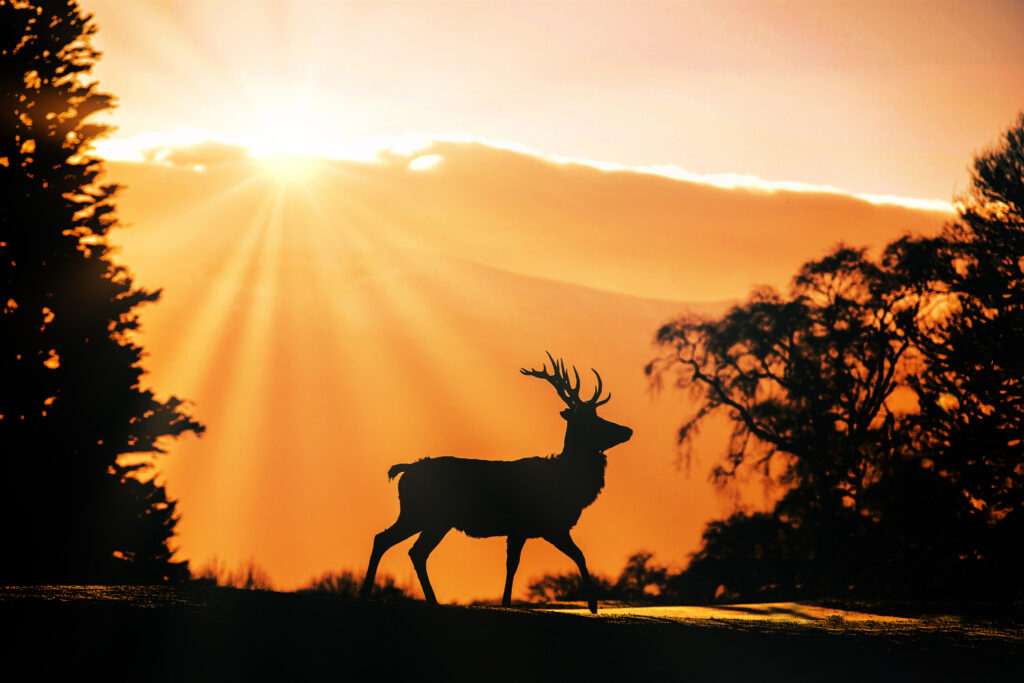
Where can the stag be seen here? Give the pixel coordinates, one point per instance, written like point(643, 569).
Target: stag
point(540, 497)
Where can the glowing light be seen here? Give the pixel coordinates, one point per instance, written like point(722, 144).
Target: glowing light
point(290, 168)
point(155, 147)
point(948, 402)
point(291, 134)
point(425, 162)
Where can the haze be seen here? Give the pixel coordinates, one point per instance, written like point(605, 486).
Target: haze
point(366, 217)
point(872, 96)
point(331, 324)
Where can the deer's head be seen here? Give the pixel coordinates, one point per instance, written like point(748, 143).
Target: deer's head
point(584, 431)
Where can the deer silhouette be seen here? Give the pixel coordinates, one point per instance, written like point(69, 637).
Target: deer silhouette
point(540, 497)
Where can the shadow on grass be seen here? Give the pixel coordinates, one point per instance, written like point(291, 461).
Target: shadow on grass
point(768, 610)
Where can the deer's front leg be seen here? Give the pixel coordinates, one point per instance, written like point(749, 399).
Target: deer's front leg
point(515, 549)
point(564, 542)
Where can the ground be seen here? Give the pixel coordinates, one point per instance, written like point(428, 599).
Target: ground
point(196, 634)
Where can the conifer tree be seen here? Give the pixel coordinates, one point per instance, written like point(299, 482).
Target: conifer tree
point(72, 402)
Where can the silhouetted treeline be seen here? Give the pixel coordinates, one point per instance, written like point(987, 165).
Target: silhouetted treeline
point(640, 580)
point(347, 584)
point(72, 408)
point(887, 396)
point(247, 576)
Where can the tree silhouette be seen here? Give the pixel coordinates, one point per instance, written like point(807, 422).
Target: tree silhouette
point(757, 555)
point(640, 578)
point(888, 397)
point(971, 423)
point(807, 381)
point(639, 581)
point(568, 587)
point(71, 403)
point(346, 584)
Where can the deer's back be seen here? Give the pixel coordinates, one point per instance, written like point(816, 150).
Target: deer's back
point(487, 497)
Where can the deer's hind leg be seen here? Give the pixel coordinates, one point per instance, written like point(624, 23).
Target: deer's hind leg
point(419, 552)
point(515, 549)
point(396, 533)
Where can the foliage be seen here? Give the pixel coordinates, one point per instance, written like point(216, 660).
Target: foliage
point(346, 584)
point(640, 580)
point(971, 390)
point(972, 397)
point(248, 575)
point(807, 379)
point(886, 395)
point(71, 403)
point(567, 587)
point(758, 552)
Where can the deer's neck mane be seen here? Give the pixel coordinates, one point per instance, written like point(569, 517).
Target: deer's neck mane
point(584, 474)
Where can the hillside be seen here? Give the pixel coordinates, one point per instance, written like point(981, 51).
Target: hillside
point(166, 634)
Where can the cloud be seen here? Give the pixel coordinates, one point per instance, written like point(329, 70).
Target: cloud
point(204, 154)
point(644, 234)
point(189, 146)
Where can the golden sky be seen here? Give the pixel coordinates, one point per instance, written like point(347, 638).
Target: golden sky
point(331, 322)
point(495, 180)
point(869, 96)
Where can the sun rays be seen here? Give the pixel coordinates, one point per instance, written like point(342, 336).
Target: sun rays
point(300, 321)
point(337, 317)
point(367, 216)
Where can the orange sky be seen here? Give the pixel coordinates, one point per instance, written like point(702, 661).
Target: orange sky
point(870, 96)
point(331, 317)
point(332, 323)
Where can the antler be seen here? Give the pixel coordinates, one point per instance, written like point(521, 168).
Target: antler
point(597, 392)
point(559, 379)
point(568, 391)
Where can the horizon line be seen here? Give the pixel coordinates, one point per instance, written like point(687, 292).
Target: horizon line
point(147, 147)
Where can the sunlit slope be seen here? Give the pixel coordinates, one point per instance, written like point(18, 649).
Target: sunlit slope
point(367, 315)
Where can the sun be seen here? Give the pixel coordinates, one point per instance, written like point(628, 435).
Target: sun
point(288, 168)
point(288, 148)
point(290, 138)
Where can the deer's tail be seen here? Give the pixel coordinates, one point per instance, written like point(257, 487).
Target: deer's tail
point(397, 469)
point(404, 467)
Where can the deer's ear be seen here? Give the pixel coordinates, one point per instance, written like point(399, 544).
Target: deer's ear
point(565, 414)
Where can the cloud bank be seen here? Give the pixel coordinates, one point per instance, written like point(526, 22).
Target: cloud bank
point(189, 144)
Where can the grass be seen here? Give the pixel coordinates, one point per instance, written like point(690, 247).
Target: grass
point(216, 633)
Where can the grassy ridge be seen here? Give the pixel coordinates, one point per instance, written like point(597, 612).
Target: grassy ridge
point(226, 634)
